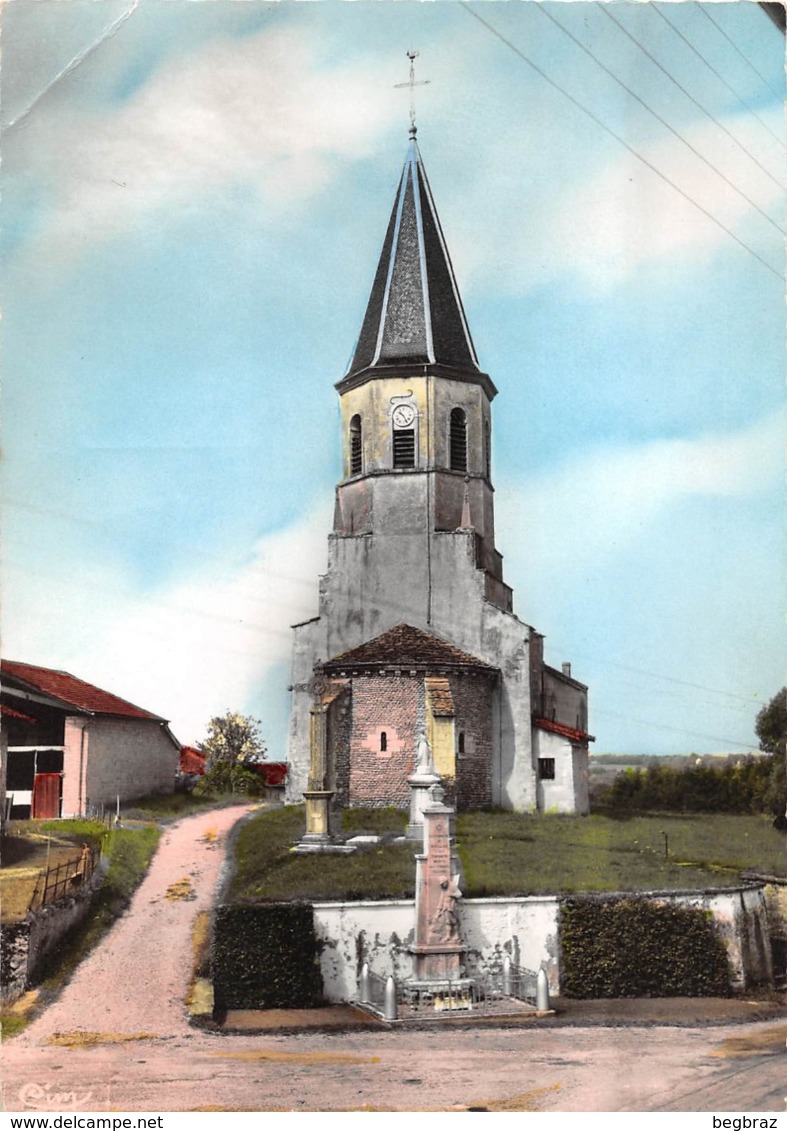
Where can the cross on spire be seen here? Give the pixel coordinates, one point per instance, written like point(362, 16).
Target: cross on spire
point(412, 56)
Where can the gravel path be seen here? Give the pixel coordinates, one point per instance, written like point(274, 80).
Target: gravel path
point(137, 978)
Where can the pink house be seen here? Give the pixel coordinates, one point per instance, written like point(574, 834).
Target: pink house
point(69, 746)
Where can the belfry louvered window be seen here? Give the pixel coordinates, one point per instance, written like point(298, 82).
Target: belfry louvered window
point(404, 447)
point(458, 440)
point(356, 446)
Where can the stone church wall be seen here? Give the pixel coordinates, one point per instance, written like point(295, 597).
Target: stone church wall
point(474, 713)
point(389, 705)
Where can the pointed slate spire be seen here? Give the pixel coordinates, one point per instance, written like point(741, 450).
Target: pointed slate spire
point(415, 314)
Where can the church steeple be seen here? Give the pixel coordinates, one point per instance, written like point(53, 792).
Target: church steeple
point(414, 316)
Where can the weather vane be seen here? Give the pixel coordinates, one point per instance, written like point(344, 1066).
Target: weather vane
point(412, 56)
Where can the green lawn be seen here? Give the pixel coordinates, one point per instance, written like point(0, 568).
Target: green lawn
point(505, 853)
point(267, 869)
point(511, 854)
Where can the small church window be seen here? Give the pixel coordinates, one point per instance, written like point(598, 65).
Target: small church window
point(546, 769)
point(383, 741)
point(404, 447)
point(356, 446)
point(460, 744)
point(488, 449)
point(458, 440)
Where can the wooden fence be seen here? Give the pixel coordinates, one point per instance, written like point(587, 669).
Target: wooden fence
point(64, 879)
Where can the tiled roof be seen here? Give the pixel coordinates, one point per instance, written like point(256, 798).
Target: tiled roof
point(415, 314)
point(406, 647)
point(560, 728)
point(72, 692)
point(440, 697)
point(192, 761)
point(10, 713)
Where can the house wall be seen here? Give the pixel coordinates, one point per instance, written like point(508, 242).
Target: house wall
point(568, 792)
point(107, 757)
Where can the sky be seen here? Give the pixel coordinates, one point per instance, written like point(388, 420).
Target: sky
point(194, 197)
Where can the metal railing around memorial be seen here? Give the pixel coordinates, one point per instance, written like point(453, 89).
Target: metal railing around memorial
point(478, 993)
point(64, 879)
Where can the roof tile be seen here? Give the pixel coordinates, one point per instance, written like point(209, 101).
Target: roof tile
point(71, 691)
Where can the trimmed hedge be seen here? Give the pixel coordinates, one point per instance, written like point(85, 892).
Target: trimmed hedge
point(265, 957)
point(616, 948)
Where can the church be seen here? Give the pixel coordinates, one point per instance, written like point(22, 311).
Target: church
point(416, 634)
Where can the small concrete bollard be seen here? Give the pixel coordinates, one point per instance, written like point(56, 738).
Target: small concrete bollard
point(507, 976)
point(363, 986)
point(542, 990)
point(389, 1008)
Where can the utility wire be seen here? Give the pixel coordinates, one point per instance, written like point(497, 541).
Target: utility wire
point(655, 8)
point(605, 8)
point(618, 138)
point(704, 9)
point(658, 117)
point(677, 730)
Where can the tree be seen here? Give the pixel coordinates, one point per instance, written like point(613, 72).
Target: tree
point(771, 728)
point(233, 739)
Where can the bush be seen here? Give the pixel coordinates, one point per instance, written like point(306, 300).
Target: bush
point(226, 778)
point(740, 787)
point(265, 957)
point(638, 948)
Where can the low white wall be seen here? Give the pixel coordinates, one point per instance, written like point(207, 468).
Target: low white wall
point(526, 929)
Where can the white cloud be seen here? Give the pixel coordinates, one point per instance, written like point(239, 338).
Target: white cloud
point(608, 221)
point(265, 111)
point(186, 652)
point(603, 500)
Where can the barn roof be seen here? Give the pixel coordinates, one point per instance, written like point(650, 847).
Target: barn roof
point(70, 691)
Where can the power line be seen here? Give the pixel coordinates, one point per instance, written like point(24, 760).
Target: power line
point(676, 730)
point(619, 139)
point(605, 8)
point(633, 94)
point(747, 61)
point(655, 8)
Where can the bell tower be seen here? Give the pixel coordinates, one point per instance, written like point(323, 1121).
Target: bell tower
point(415, 404)
point(416, 630)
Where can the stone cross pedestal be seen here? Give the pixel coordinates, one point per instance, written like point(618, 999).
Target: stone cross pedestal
point(438, 949)
point(318, 836)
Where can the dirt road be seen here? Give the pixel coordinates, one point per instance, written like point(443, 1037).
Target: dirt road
point(136, 980)
point(733, 1069)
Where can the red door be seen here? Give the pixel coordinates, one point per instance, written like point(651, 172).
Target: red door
point(46, 796)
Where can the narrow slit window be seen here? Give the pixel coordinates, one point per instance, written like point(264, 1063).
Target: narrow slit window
point(356, 446)
point(460, 746)
point(383, 741)
point(488, 449)
point(458, 440)
point(404, 447)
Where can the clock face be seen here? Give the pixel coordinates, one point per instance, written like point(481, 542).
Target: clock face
point(403, 415)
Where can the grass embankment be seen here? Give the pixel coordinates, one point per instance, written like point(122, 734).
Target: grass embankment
point(510, 854)
point(267, 869)
point(130, 852)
